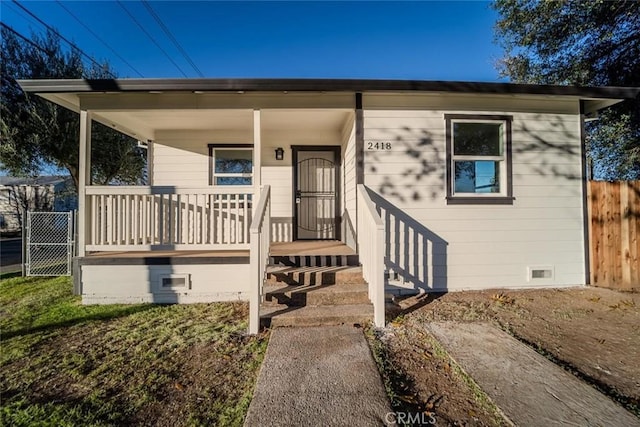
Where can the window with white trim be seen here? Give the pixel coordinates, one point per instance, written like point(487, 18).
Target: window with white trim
point(478, 159)
point(230, 164)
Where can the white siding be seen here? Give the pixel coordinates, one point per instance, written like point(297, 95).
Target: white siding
point(105, 284)
point(281, 180)
point(432, 245)
point(181, 157)
point(348, 190)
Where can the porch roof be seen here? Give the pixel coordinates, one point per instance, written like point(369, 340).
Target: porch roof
point(134, 106)
point(320, 85)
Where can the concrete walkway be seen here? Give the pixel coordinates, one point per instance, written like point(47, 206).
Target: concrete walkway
point(528, 388)
point(318, 376)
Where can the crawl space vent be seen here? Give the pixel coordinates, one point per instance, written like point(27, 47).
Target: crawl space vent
point(540, 273)
point(174, 281)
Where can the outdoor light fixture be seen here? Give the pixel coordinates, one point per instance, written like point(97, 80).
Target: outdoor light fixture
point(279, 153)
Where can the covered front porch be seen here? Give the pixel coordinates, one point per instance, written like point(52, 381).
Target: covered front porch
point(221, 202)
point(205, 169)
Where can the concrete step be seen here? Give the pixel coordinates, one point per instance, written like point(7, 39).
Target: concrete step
point(311, 276)
point(340, 294)
point(314, 260)
point(311, 315)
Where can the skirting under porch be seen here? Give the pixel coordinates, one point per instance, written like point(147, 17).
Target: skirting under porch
point(163, 277)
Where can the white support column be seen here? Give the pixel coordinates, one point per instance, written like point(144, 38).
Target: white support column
point(257, 152)
point(255, 281)
point(255, 248)
point(84, 179)
point(150, 161)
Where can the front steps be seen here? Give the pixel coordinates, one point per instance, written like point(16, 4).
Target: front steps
point(318, 315)
point(315, 290)
point(315, 260)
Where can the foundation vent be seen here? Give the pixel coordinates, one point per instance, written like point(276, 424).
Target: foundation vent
point(169, 282)
point(540, 273)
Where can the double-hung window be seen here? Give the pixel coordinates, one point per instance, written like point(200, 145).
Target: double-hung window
point(231, 164)
point(478, 159)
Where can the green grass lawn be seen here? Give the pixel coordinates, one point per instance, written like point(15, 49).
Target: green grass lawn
point(62, 363)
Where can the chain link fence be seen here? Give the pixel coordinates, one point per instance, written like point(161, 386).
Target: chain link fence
point(49, 243)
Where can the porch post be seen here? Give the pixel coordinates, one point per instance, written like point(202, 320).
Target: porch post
point(84, 179)
point(359, 124)
point(255, 280)
point(359, 140)
point(257, 151)
point(255, 245)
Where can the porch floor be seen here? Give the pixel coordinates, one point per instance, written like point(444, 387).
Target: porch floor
point(311, 247)
point(306, 247)
point(167, 254)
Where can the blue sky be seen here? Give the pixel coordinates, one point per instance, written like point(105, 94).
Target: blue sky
point(385, 40)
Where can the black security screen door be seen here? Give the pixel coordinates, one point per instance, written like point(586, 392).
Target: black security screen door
point(316, 174)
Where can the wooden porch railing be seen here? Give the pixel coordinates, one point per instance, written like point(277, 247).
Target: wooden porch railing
point(144, 218)
point(371, 252)
point(259, 255)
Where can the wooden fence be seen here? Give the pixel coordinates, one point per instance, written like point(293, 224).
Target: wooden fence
point(614, 209)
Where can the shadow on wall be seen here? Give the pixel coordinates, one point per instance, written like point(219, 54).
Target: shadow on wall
point(412, 251)
point(413, 173)
point(554, 151)
point(348, 230)
point(419, 162)
point(544, 145)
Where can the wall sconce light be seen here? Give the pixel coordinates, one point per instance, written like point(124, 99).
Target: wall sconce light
point(279, 153)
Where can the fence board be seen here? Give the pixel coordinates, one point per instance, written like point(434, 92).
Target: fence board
point(615, 234)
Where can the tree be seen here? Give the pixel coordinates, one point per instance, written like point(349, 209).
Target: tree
point(584, 43)
point(36, 133)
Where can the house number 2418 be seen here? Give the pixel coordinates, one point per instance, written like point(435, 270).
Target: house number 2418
point(378, 146)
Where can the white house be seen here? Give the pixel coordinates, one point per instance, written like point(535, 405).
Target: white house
point(42, 193)
point(429, 186)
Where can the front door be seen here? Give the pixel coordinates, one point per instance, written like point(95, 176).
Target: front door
point(315, 184)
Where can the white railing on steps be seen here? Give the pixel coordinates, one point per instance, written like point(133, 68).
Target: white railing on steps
point(259, 255)
point(371, 252)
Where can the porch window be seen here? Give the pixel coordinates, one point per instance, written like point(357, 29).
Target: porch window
point(478, 159)
point(230, 164)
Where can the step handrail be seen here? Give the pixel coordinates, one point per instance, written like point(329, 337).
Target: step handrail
point(371, 246)
point(260, 241)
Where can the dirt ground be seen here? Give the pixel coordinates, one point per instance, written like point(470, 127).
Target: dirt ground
point(592, 332)
point(421, 378)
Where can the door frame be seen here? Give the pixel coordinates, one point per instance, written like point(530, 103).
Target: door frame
point(336, 149)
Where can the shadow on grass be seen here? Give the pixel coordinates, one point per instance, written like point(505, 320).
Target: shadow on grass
point(410, 304)
point(89, 317)
point(10, 275)
point(54, 410)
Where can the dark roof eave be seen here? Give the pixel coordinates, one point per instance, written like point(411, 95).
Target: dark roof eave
point(320, 85)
